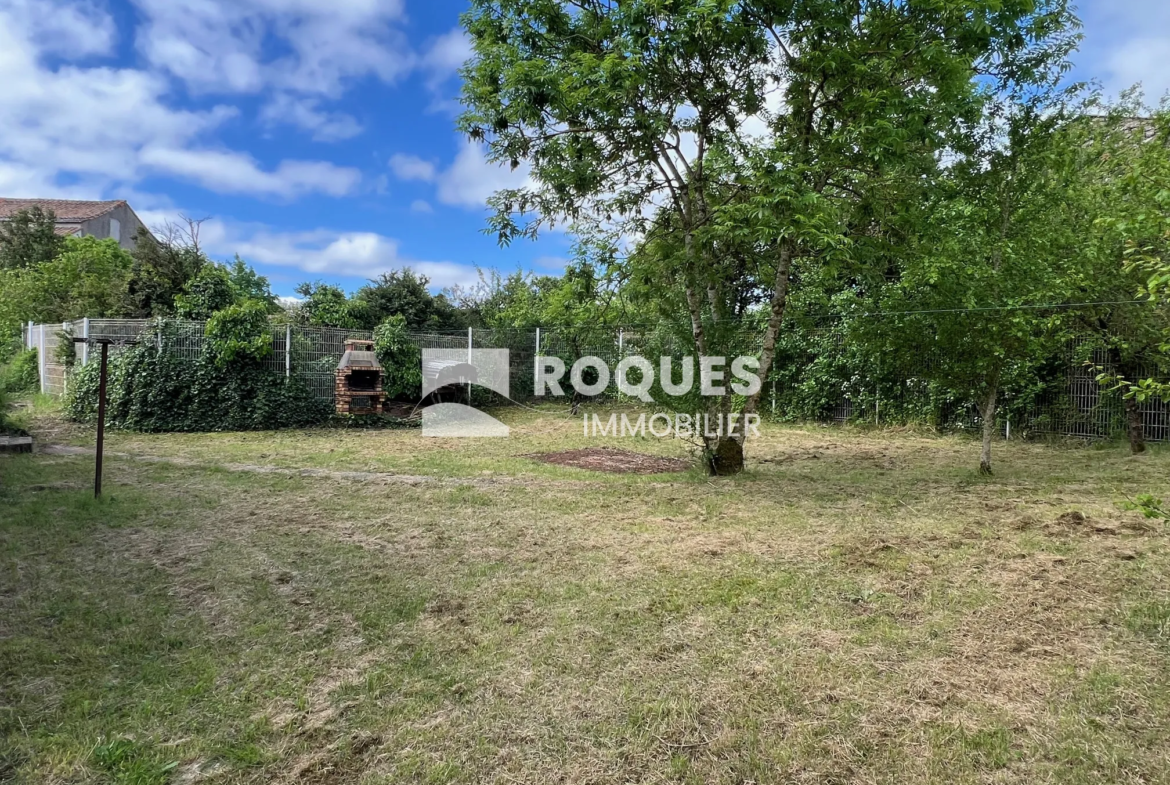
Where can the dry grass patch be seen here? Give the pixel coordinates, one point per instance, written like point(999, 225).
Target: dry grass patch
point(859, 607)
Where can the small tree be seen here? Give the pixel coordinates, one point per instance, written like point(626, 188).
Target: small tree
point(29, 238)
point(400, 358)
point(326, 305)
point(161, 272)
point(209, 291)
point(88, 278)
point(404, 292)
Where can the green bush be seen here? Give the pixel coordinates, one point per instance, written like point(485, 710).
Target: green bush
point(22, 374)
point(401, 359)
point(157, 391)
point(240, 332)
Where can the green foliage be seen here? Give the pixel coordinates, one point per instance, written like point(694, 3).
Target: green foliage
point(240, 332)
point(325, 305)
point(404, 293)
point(21, 374)
point(161, 272)
point(28, 239)
point(250, 285)
point(400, 358)
point(130, 762)
point(1148, 505)
point(209, 291)
point(158, 391)
point(89, 277)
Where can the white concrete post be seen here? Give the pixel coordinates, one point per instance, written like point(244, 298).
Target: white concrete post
point(85, 346)
point(28, 339)
point(469, 363)
point(41, 360)
point(287, 351)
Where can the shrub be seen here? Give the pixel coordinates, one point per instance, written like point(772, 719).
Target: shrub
point(22, 374)
point(209, 291)
point(157, 391)
point(240, 332)
point(400, 358)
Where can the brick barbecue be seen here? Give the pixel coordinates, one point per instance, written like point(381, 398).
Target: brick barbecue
point(358, 389)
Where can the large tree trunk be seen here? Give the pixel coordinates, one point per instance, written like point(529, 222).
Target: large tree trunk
point(1134, 426)
point(725, 457)
point(988, 412)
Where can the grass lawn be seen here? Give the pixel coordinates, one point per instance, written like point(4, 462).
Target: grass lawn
point(858, 607)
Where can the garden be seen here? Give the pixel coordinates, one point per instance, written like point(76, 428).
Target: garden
point(942, 557)
point(325, 605)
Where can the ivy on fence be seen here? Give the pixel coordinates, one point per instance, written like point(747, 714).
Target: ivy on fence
point(157, 391)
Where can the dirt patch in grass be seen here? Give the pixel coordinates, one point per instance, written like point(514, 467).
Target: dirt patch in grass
point(613, 460)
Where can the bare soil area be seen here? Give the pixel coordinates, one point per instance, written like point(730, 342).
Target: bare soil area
point(613, 460)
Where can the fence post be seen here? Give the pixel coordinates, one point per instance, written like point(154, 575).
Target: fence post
point(469, 363)
point(67, 331)
point(536, 365)
point(85, 346)
point(41, 359)
point(287, 351)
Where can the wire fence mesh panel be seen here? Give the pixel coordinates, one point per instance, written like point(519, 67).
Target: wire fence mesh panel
point(820, 372)
point(313, 355)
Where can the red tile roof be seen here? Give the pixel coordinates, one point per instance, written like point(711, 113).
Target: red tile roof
point(67, 211)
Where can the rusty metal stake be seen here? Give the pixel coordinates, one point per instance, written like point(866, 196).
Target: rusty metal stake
point(101, 423)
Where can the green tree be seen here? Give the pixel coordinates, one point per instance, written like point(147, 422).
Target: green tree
point(325, 305)
point(400, 357)
point(250, 285)
point(240, 332)
point(405, 293)
point(1116, 215)
point(1139, 217)
point(29, 238)
point(619, 109)
point(161, 272)
point(209, 291)
point(88, 278)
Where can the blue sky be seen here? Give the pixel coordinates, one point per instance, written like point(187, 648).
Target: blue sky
point(317, 136)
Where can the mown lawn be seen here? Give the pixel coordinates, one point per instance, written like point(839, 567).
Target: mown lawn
point(859, 607)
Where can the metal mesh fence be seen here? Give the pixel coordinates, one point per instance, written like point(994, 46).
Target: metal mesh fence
point(820, 374)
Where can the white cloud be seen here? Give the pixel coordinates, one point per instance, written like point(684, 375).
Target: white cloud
point(421, 206)
point(326, 252)
point(103, 129)
point(1126, 42)
point(71, 30)
point(411, 167)
point(307, 46)
point(471, 179)
point(304, 113)
point(446, 56)
point(467, 182)
point(225, 171)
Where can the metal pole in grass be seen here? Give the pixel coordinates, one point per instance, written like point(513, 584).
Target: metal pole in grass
point(103, 377)
point(469, 363)
point(101, 425)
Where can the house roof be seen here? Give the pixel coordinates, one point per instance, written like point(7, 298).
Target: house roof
point(66, 210)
